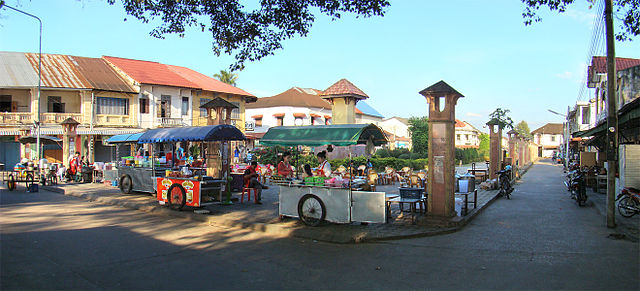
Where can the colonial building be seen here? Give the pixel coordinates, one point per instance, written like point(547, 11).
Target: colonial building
point(397, 130)
point(467, 136)
point(549, 138)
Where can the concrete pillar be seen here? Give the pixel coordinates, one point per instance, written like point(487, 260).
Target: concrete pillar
point(69, 139)
point(441, 174)
point(495, 149)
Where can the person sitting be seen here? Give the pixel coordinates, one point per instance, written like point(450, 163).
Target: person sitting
point(284, 168)
point(251, 180)
point(307, 171)
point(325, 168)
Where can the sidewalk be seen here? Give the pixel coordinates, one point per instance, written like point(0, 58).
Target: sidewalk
point(265, 218)
point(630, 227)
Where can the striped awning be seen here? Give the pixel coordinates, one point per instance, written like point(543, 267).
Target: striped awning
point(108, 131)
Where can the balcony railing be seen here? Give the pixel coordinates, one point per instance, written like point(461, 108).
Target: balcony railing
point(171, 122)
point(16, 118)
point(113, 120)
point(60, 117)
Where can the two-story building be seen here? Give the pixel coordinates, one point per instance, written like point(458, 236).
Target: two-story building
point(549, 138)
point(467, 136)
point(84, 89)
point(397, 130)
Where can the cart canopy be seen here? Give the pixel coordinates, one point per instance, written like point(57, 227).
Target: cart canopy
point(44, 139)
point(192, 133)
point(125, 138)
point(318, 135)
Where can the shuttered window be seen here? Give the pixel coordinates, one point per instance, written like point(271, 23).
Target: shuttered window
point(113, 106)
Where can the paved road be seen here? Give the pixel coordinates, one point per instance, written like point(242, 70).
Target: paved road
point(538, 240)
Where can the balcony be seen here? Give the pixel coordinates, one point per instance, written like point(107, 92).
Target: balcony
point(16, 118)
point(171, 122)
point(113, 120)
point(60, 117)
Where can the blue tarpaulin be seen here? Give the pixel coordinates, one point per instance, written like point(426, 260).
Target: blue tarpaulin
point(125, 138)
point(192, 133)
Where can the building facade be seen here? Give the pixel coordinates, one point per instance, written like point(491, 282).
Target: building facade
point(467, 136)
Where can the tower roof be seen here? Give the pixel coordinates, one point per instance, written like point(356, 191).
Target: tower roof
point(343, 88)
point(440, 88)
point(218, 102)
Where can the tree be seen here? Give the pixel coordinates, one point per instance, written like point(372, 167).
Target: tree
point(522, 128)
point(628, 11)
point(249, 35)
point(419, 128)
point(500, 117)
point(227, 77)
point(485, 143)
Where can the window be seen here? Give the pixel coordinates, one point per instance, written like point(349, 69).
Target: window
point(235, 113)
point(203, 111)
point(258, 121)
point(586, 115)
point(164, 109)
point(553, 138)
point(5, 103)
point(185, 105)
point(466, 137)
point(279, 121)
point(54, 104)
point(113, 106)
point(457, 137)
point(144, 105)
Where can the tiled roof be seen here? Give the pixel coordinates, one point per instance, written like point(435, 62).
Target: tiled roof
point(294, 97)
point(599, 64)
point(401, 119)
point(460, 123)
point(342, 88)
point(146, 72)
point(208, 83)
point(549, 128)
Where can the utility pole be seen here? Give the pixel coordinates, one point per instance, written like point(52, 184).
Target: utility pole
point(612, 116)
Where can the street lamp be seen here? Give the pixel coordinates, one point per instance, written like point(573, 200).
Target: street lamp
point(566, 138)
point(37, 121)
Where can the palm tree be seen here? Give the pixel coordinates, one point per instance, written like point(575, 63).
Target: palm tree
point(227, 77)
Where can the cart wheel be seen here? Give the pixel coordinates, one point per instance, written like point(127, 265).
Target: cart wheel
point(11, 184)
point(29, 180)
point(311, 210)
point(125, 184)
point(176, 196)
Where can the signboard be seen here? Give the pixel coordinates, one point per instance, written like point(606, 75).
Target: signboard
point(249, 125)
point(191, 189)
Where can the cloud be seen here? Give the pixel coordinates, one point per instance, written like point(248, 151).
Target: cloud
point(473, 114)
point(566, 75)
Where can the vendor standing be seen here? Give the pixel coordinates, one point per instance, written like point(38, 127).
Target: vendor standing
point(325, 168)
point(284, 168)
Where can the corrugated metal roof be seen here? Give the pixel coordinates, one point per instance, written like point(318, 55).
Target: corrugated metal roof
point(100, 75)
point(366, 109)
point(145, 72)
point(209, 84)
point(16, 71)
point(58, 71)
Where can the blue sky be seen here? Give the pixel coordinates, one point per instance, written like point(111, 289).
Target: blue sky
point(481, 48)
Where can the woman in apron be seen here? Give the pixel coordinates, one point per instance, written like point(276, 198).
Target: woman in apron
point(325, 168)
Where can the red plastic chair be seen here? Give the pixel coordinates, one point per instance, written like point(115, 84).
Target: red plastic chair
point(247, 190)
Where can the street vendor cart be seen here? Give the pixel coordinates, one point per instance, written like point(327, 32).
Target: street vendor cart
point(174, 184)
point(31, 172)
point(318, 201)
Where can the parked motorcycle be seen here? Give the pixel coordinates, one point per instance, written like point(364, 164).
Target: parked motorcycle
point(629, 202)
point(504, 180)
point(578, 188)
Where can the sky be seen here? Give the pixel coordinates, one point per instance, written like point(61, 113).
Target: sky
point(480, 48)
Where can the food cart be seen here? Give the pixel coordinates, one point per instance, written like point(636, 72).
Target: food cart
point(33, 173)
point(338, 203)
point(173, 185)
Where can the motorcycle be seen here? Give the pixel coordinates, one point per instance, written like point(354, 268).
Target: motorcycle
point(578, 188)
point(504, 180)
point(629, 202)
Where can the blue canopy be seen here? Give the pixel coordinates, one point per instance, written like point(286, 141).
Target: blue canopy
point(192, 133)
point(125, 138)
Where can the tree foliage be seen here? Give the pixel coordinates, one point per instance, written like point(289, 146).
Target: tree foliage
point(485, 146)
point(247, 34)
point(226, 77)
point(627, 11)
point(522, 128)
point(500, 117)
point(419, 128)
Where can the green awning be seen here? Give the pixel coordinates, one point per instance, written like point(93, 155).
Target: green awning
point(318, 135)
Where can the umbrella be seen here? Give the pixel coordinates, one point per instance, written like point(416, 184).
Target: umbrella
point(44, 139)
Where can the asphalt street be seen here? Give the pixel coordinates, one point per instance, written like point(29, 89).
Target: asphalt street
point(540, 239)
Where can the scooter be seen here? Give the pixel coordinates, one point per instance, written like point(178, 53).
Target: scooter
point(504, 180)
point(578, 189)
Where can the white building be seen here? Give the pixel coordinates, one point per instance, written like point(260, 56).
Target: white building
point(397, 130)
point(467, 136)
point(548, 137)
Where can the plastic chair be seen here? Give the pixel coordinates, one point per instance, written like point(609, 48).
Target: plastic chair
point(373, 178)
point(414, 181)
point(247, 190)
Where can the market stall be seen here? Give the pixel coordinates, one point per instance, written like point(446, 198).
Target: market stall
point(31, 173)
point(340, 202)
point(176, 181)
